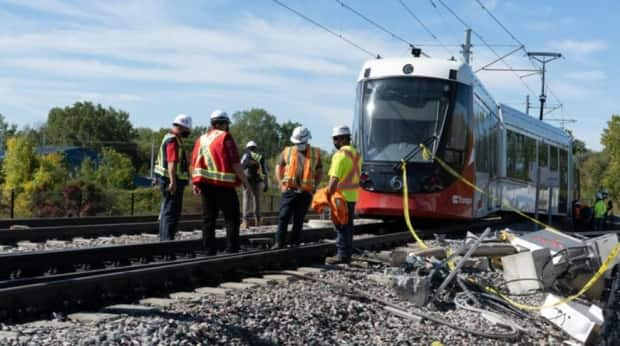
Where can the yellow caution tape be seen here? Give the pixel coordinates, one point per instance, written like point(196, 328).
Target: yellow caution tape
point(449, 169)
point(600, 272)
point(406, 207)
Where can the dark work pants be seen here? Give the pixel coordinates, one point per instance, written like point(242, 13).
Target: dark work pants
point(344, 236)
point(215, 198)
point(171, 208)
point(293, 204)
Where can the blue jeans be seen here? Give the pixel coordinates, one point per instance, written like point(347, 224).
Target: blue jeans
point(171, 208)
point(344, 237)
point(292, 204)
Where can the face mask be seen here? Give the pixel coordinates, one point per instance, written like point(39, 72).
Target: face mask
point(185, 134)
point(301, 146)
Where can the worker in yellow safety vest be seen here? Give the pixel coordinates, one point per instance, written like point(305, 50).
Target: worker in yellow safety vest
point(599, 211)
point(298, 173)
point(172, 171)
point(344, 176)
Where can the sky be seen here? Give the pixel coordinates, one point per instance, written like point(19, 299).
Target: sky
point(157, 58)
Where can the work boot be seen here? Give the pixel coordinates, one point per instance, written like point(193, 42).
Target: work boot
point(277, 246)
point(337, 260)
point(244, 225)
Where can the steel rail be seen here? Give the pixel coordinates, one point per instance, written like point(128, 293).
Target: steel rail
point(26, 302)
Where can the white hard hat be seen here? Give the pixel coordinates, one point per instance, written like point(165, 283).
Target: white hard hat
point(219, 115)
point(183, 121)
point(300, 135)
point(251, 144)
point(341, 130)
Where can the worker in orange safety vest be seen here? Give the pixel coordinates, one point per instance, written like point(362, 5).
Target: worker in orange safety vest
point(298, 173)
point(344, 176)
point(216, 172)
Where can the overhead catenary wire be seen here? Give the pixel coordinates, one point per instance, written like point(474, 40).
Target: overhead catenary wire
point(449, 9)
point(514, 37)
point(325, 28)
point(377, 25)
point(426, 28)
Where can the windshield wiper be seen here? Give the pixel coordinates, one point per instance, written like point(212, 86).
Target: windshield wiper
point(416, 150)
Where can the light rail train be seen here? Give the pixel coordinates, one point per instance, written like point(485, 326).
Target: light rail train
point(403, 102)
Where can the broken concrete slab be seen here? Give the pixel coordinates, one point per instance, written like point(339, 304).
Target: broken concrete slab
point(578, 320)
point(130, 309)
point(523, 271)
point(91, 317)
point(158, 302)
point(53, 324)
point(379, 278)
point(293, 273)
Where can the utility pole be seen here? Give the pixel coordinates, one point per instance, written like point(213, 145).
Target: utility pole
point(467, 47)
point(527, 104)
point(543, 58)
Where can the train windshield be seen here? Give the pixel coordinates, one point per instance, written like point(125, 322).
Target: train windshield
point(400, 113)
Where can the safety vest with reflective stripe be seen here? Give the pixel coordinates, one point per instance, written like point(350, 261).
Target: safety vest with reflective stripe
point(211, 163)
point(312, 158)
point(258, 158)
point(351, 181)
point(161, 166)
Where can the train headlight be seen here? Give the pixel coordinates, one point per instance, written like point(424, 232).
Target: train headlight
point(396, 183)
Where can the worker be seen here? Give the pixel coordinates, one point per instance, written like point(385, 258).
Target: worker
point(599, 211)
point(344, 176)
point(216, 172)
point(298, 174)
point(256, 173)
point(172, 172)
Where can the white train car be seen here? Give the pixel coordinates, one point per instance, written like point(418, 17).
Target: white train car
point(401, 103)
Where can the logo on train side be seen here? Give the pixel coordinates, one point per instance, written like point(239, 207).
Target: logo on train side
point(458, 199)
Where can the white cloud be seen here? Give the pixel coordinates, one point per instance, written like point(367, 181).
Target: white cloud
point(587, 76)
point(574, 47)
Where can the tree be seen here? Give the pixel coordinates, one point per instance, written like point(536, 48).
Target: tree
point(115, 170)
point(87, 125)
point(285, 130)
point(257, 125)
point(42, 195)
point(611, 140)
point(19, 163)
point(6, 130)
point(593, 169)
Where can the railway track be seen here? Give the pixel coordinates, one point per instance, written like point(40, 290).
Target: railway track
point(55, 231)
point(38, 283)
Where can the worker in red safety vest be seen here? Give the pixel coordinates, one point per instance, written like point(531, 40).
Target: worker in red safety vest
point(344, 176)
point(172, 172)
point(216, 172)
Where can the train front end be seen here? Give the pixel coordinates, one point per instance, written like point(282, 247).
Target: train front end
point(400, 104)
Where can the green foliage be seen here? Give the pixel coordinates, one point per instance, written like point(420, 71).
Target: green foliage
point(6, 130)
point(88, 171)
point(115, 170)
point(85, 124)
point(19, 164)
point(257, 125)
point(42, 196)
point(611, 140)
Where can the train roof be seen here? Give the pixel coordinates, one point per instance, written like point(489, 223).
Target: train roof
point(422, 67)
point(513, 118)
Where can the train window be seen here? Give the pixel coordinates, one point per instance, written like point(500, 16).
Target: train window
point(553, 158)
point(400, 113)
point(543, 154)
point(530, 157)
point(563, 201)
point(456, 134)
point(520, 156)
